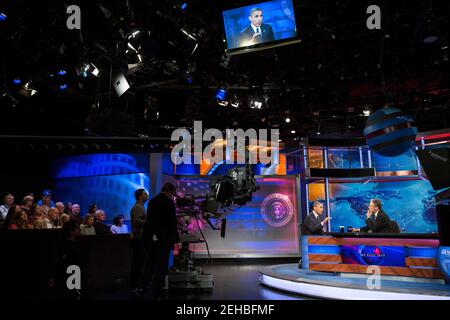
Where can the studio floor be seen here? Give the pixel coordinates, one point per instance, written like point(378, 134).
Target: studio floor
point(233, 280)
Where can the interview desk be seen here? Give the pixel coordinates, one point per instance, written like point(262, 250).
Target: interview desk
point(407, 255)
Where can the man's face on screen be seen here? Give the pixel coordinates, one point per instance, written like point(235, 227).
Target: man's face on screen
point(256, 18)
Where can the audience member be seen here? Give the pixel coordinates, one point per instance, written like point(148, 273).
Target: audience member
point(8, 201)
point(19, 221)
point(53, 217)
point(68, 208)
point(10, 216)
point(87, 227)
point(39, 218)
point(61, 207)
point(63, 219)
point(75, 215)
point(92, 209)
point(27, 203)
point(100, 227)
point(46, 201)
point(118, 227)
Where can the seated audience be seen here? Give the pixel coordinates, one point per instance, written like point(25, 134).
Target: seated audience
point(46, 201)
point(118, 227)
point(11, 212)
point(19, 221)
point(63, 219)
point(27, 203)
point(61, 207)
point(68, 208)
point(39, 218)
point(8, 201)
point(100, 227)
point(87, 227)
point(75, 215)
point(92, 209)
point(53, 217)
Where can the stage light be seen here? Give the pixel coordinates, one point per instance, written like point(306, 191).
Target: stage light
point(221, 94)
point(318, 133)
point(28, 90)
point(255, 103)
point(63, 87)
point(17, 81)
point(287, 120)
point(88, 69)
point(366, 111)
point(184, 6)
point(62, 72)
point(293, 131)
point(3, 16)
point(234, 102)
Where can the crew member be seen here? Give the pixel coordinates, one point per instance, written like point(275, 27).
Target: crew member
point(160, 235)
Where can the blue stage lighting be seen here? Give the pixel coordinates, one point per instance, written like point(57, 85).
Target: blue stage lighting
point(2, 16)
point(62, 72)
point(63, 86)
point(221, 94)
point(184, 6)
point(17, 81)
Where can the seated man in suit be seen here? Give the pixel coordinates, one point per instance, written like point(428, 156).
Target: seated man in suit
point(313, 222)
point(256, 32)
point(376, 219)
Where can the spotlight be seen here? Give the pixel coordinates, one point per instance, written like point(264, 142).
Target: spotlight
point(2, 16)
point(88, 69)
point(318, 133)
point(234, 102)
point(63, 87)
point(17, 81)
point(62, 72)
point(256, 103)
point(287, 120)
point(27, 90)
point(221, 94)
point(184, 6)
point(293, 131)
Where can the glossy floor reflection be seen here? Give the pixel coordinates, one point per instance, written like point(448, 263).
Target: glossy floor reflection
point(233, 280)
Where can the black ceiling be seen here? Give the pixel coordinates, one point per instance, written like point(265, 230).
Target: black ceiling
point(322, 83)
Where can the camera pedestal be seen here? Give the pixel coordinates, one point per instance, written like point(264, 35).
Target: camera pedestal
point(186, 275)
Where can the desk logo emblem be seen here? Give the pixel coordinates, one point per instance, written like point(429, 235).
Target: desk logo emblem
point(372, 255)
point(277, 210)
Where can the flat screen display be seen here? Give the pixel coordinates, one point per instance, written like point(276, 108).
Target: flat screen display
point(260, 24)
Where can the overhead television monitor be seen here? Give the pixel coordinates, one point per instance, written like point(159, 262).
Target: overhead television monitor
point(260, 25)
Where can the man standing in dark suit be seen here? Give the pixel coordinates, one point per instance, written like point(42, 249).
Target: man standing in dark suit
point(256, 32)
point(160, 234)
point(314, 223)
point(376, 219)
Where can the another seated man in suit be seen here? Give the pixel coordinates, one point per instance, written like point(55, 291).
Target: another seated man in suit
point(314, 223)
point(376, 219)
point(256, 32)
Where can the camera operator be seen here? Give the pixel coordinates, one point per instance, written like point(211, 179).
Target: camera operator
point(160, 235)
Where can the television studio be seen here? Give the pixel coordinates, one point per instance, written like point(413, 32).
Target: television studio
point(225, 150)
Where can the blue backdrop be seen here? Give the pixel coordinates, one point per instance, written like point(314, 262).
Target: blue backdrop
point(109, 180)
point(279, 14)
